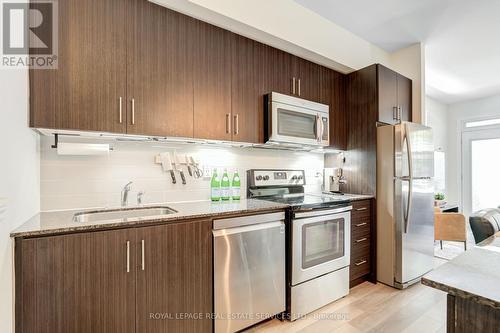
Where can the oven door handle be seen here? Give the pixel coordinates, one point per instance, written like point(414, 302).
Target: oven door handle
point(321, 212)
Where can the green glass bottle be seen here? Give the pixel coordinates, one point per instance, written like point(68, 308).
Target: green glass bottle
point(235, 186)
point(215, 187)
point(225, 187)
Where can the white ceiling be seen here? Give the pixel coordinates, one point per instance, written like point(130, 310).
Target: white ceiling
point(461, 37)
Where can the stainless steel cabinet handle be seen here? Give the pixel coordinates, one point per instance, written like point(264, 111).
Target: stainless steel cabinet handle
point(360, 263)
point(361, 224)
point(228, 123)
point(128, 256)
point(361, 240)
point(293, 86)
point(361, 209)
point(395, 113)
point(299, 88)
point(121, 110)
point(133, 111)
point(236, 124)
point(143, 262)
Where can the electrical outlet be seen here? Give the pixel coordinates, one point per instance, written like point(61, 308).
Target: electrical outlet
point(207, 171)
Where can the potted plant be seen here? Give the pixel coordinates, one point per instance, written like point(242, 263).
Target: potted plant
point(439, 200)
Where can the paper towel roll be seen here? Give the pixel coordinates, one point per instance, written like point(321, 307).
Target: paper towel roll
point(70, 148)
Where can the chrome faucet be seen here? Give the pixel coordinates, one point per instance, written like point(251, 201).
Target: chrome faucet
point(125, 191)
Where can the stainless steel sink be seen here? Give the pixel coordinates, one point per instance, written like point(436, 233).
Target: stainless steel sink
point(132, 213)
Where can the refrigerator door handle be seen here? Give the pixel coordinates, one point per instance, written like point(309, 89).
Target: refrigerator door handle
point(410, 179)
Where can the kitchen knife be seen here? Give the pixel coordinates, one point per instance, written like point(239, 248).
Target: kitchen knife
point(188, 163)
point(166, 163)
point(177, 167)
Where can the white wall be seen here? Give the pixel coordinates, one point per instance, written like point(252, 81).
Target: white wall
point(437, 118)
point(486, 107)
point(410, 62)
point(19, 177)
point(96, 181)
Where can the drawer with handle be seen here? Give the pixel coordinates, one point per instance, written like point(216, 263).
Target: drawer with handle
point(360, 266)
point(360, 227)
point(361, 209)
point(360, 245)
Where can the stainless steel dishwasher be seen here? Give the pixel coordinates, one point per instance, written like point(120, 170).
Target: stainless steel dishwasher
point(249, 270)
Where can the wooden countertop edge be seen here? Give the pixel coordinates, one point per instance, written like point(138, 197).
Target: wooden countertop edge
point(460, 293)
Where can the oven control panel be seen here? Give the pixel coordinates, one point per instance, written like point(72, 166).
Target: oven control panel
point(277, 177)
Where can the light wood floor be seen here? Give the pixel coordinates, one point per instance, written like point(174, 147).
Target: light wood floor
point(372, 308)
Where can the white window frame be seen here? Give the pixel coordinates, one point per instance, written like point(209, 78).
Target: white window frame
point(465, 171)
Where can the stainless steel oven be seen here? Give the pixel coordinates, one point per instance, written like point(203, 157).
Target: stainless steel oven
point(295, 121)
point(318, 230)
point(320, 242)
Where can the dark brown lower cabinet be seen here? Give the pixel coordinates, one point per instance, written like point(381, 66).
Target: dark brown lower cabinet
point(174, 278)
point(150, 279)
point(75, 283)
point(362, 266)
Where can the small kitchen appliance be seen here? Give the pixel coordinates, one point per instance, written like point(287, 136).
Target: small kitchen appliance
point(332, 178)
point(318, 239)
point(295, 122)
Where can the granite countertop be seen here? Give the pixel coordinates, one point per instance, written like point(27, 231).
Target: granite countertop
point(59, 222)
point(474, 274)
point(351, 197)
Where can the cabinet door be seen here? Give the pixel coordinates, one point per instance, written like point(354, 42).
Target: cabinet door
point(308, 77)
point(332, 90)
point(160, 77)
point(387, 95)
point(276, 70)
point(212, 82)
point(405, 97)
point(76, 283)
point(84, 92)
point(175, 278)
point(248, 115)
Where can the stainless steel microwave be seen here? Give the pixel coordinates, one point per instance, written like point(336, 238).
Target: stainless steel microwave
point(295, 121)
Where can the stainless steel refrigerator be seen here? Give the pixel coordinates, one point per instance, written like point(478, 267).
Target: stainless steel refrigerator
point(405, 203)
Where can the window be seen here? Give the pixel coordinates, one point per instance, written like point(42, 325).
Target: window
point(439, 172)
point(479, 123)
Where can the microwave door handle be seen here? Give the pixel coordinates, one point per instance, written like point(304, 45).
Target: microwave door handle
point(322, 128)
point(318, 120)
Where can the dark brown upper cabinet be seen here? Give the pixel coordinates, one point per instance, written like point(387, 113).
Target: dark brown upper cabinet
point(212, 82)
point(160, 76)
point(332, 92)
point(307, 79)
point(373, 94)
point(88, 89)
point(131, 66)
point(276, 70)
point(394, 96)
point(246, 96)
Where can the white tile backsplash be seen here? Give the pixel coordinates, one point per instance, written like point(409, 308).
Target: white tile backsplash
point(69, 182)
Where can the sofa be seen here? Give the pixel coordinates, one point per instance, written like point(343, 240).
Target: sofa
point(485, 223)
